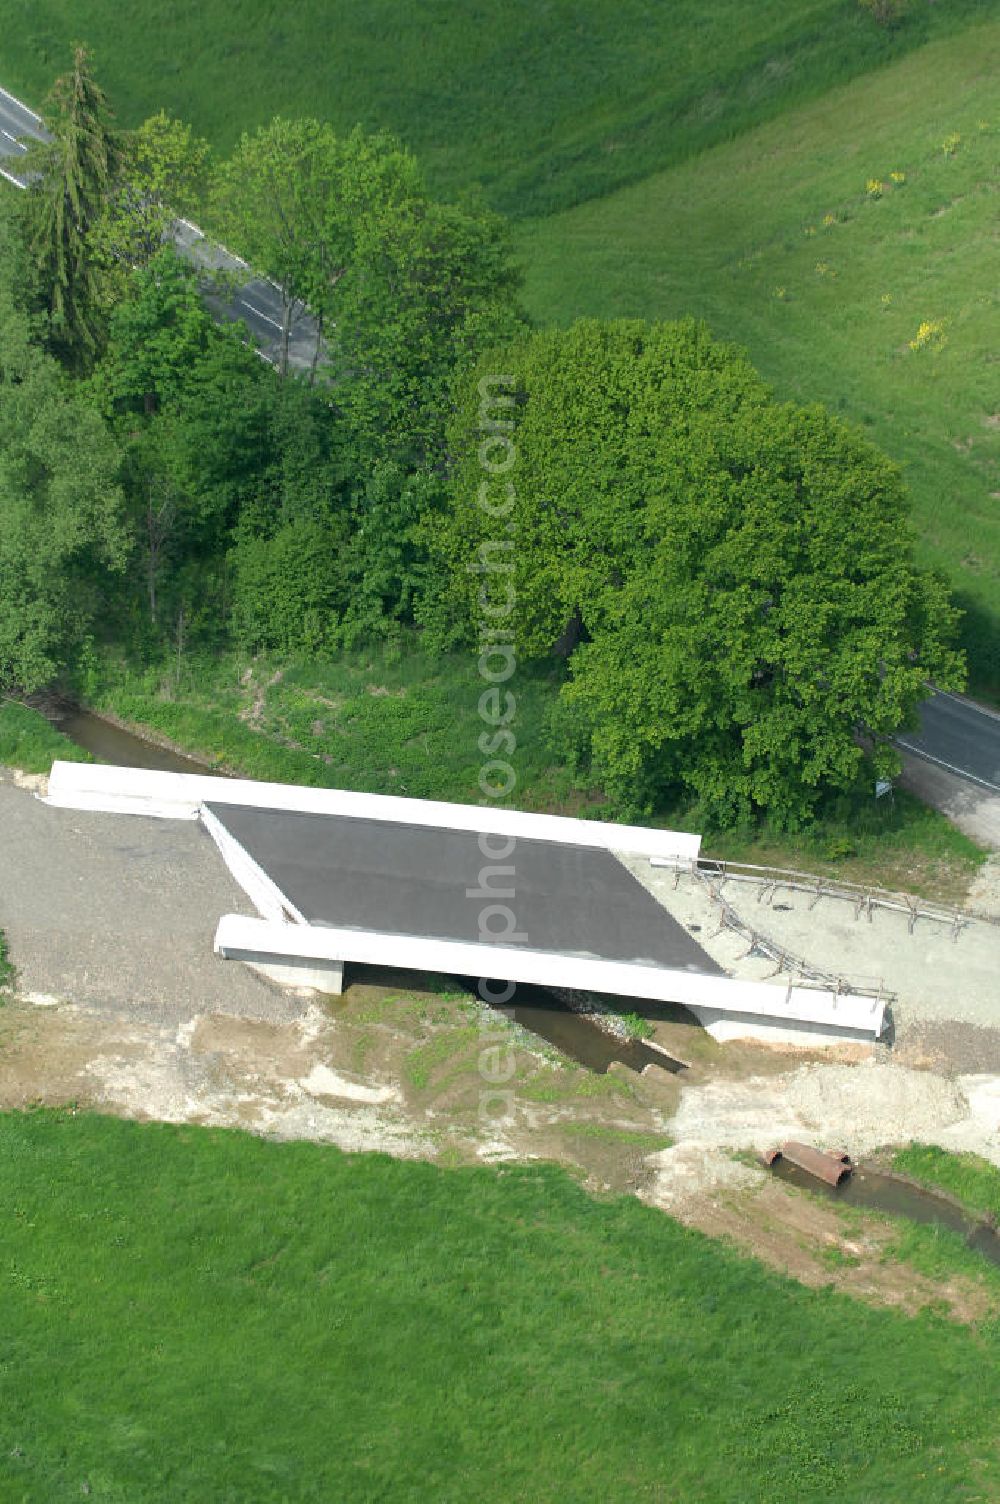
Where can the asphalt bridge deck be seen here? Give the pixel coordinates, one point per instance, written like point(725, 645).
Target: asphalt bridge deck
point(417, 880)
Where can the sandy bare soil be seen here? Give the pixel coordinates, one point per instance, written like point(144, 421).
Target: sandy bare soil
point(816, 1243)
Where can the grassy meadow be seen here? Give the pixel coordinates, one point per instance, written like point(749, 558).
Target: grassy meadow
point(545, 105)
point(778, 242)
point(196, 1314)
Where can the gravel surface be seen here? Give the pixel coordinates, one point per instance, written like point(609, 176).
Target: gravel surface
point(120, 914)
point(984, 895)
point(931, 977)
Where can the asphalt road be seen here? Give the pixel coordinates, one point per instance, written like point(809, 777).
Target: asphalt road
point(16, 121)
point(242, 297)
point(960, 736)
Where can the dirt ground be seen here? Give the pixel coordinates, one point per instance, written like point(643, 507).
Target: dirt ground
point(388, 1066)
point(123, 1008)
point(814, 1243)
point(397, 1068)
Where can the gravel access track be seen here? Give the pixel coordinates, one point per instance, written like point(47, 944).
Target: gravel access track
point(118, 914)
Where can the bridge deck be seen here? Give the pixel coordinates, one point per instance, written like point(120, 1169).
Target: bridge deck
point(437, 883)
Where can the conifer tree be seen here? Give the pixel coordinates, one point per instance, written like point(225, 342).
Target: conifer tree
point(70, 179)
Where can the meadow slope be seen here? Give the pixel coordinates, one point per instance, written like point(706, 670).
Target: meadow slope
point(546, 105)
point(778, 242)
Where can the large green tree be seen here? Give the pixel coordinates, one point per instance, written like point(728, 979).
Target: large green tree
point(63, 533)
point(271, 200)
point(432, 286)
point(189, 402)
point(733, 576)
point(70, 177)
point(162, 173)
point(405, 288)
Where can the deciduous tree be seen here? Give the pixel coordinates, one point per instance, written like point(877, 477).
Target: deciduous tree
point(189, 401)
point(740, 570)
point(432, 286)
point(405, 288)
point(162, 174)
point(270, 200)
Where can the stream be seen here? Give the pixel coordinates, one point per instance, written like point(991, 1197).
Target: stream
point(107, 742)
point(537, 1010)
point(877, 1191)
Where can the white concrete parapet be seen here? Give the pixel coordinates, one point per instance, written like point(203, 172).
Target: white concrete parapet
point(847, 1015)
point(180, 796)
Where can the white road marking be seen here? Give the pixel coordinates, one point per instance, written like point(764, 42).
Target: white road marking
point(259, 312)
point(973, 705)
point(20, 105)
point(919, 752)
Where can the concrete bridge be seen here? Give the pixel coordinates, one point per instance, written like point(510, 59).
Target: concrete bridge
point(345, 878)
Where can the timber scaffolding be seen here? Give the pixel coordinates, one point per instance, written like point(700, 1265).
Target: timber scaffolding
point(712, 873)
point(864, 896)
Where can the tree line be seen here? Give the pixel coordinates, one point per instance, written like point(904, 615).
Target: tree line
point(729, 580)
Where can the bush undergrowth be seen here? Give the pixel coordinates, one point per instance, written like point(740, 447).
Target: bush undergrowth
point(29, 742)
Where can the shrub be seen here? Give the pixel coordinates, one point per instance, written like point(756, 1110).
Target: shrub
point(637, 1026)
point(290, 590)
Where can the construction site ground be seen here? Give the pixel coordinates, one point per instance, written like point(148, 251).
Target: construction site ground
point(164, 1029)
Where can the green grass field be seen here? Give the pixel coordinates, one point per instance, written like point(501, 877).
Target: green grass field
point(775, 241)
point(201, 1315)
point(546, 105)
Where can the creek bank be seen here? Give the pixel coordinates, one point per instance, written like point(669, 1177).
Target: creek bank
point(875, 1189)
point(110, 739)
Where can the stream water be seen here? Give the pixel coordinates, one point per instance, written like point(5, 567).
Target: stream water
point(575, 1035)
point(537, 1010)
point(878, 1192)
point(109, 743)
